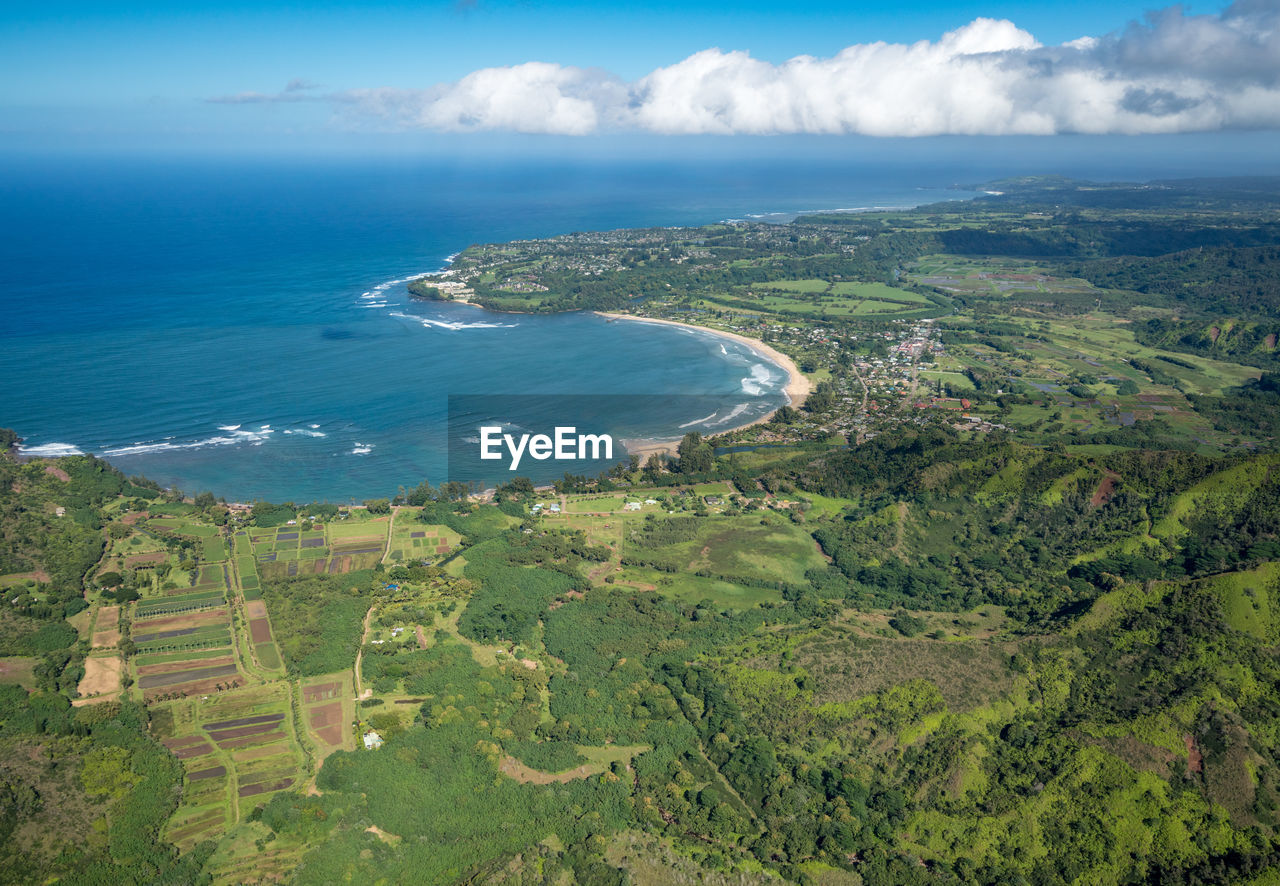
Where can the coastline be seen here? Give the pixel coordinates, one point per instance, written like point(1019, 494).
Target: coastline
point(797, 389)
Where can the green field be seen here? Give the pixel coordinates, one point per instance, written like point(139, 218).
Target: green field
point(805, 286)
point(732, 547)
point(165, 657)
point(594, 504)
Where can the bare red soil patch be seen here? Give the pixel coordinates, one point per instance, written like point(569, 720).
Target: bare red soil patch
point(1105, 490)
point(326, 715)
point(196, 687)
point(1195, 760)
point(222, 736)
point(244, 721)
point(260, 629)
point(320, 692)
point(197, 750)
point(183, 742)
point(133, 517)
point(57, 472)
point(202, 774)
point(256, 609)
point(266, 787)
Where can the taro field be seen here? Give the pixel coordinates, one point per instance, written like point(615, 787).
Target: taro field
point(183, 638)
point(413, 541)
point(237, 748)
point(212, 548)
point(328, 710)
point(289, 551)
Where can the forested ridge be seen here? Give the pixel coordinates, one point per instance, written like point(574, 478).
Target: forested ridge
point(998, 604)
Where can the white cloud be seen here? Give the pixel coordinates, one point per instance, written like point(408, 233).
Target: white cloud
point(1173, 72)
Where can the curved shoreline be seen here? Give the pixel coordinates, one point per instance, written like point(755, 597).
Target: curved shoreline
point(797, 389)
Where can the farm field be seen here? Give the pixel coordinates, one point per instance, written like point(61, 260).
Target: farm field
point(726, 547)
point(997, 603)
point(102, 677)
point(328, 710)
point(235, 747)
point(414, 540)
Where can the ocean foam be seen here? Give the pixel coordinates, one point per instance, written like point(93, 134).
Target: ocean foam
point(428, 323)
point(755, 384)
point(733, 413)
point(50, 450)
point(698, 421)
point(254, 438)
point(362, 449)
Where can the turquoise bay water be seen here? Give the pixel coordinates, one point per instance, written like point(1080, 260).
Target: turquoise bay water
point(233, 326)
point(229, 324)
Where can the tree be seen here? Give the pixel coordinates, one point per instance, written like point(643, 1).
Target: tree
point(695, 456)
point(653, 468)
point(378, 506)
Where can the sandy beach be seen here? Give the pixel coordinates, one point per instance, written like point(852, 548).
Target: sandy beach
point(797, 389)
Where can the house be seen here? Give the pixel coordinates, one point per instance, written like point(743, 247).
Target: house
point(372, 741)
point(632, 506)
point(713, 500)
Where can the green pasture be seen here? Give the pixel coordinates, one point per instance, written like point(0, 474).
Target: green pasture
point(695, 589)
point(739, 547)
point(184, 527)
point(594, 504)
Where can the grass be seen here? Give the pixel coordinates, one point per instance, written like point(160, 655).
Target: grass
point(269, 656)
point(823, 506)
point(1246, 601)
point(741, 547)
point(348, 529)
point(165, 657)
point(807, 286)
point(879, 291)
point(594, 504)
point(216, 800)
point(19, 669)
point(184, 527)
point(695, 588)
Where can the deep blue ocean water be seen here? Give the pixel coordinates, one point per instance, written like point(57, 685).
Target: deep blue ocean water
point(216, 324)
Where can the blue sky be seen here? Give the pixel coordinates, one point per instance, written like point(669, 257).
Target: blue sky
point(84, 69)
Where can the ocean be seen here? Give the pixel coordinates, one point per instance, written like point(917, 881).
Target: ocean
point(241, 325)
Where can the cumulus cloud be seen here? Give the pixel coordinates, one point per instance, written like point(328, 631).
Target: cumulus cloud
point(1171, 72)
